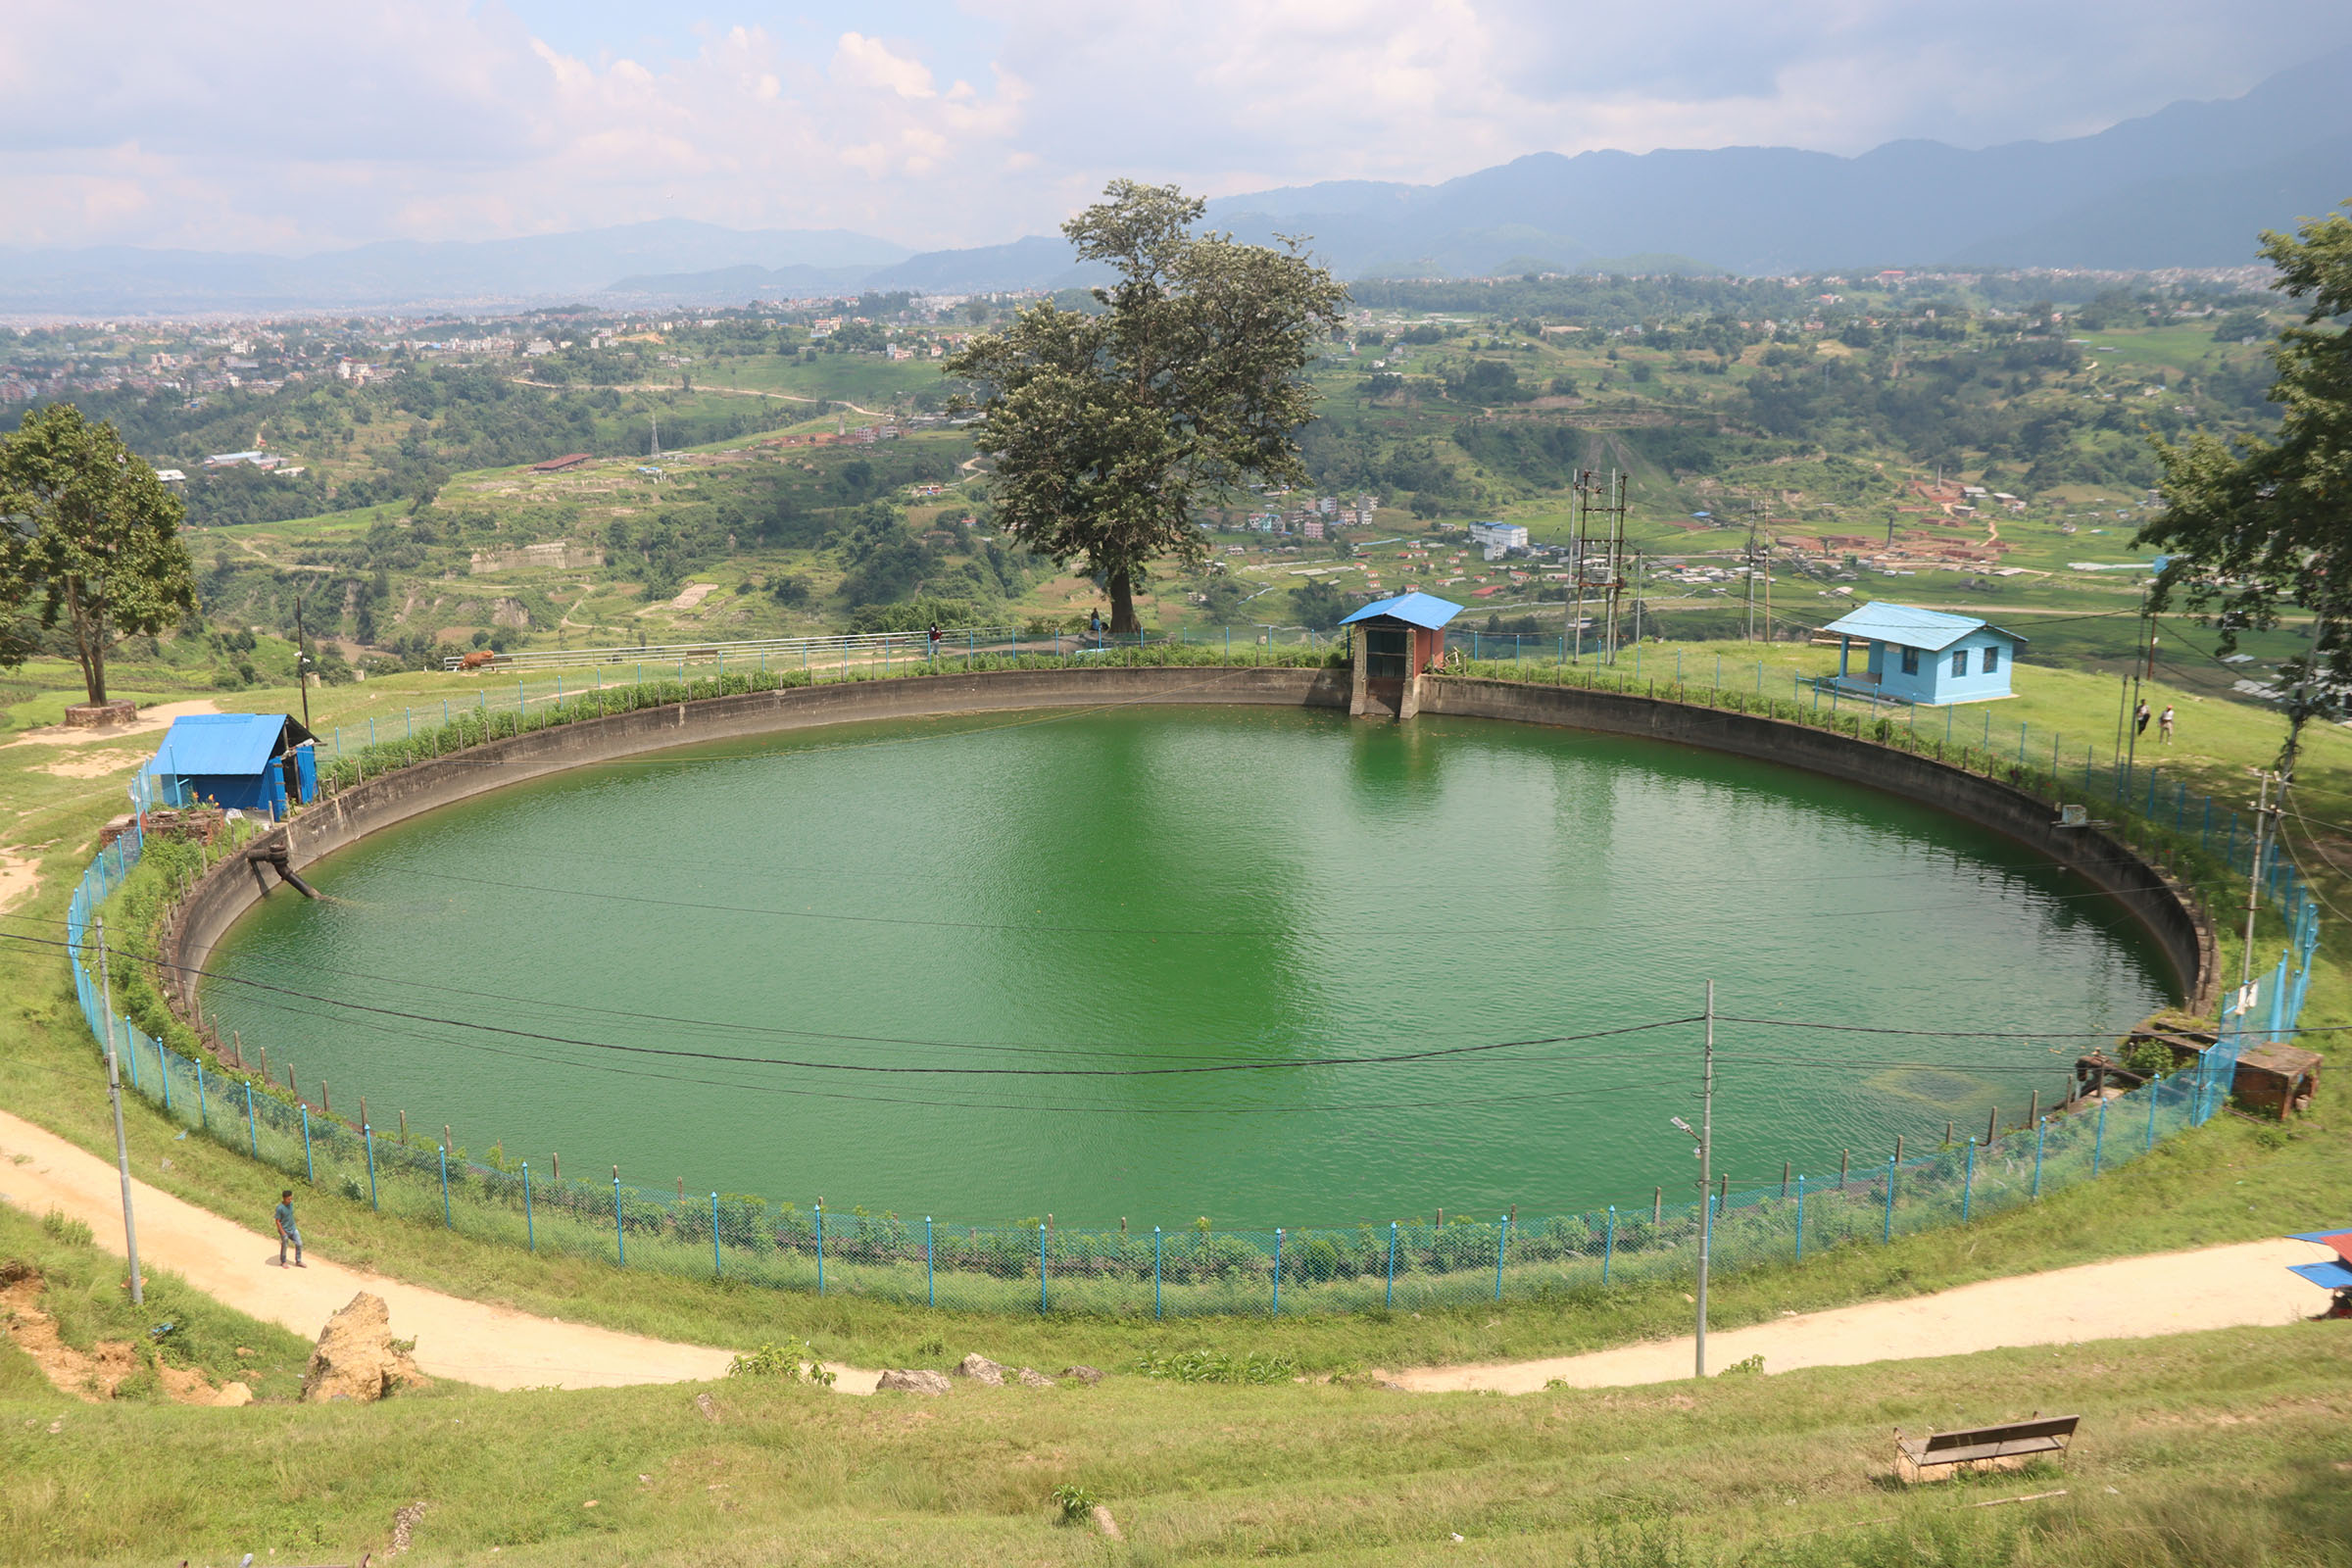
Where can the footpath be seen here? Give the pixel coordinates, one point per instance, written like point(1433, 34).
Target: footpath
point(469, 1342)
point(2240, 1286)
point(2244, 1285)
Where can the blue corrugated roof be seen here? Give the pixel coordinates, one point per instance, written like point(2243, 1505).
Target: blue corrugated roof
point(1426, 610)
point(208, 744)
point(1909, 626)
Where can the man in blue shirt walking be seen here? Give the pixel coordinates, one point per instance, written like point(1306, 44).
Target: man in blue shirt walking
point(288, 1234)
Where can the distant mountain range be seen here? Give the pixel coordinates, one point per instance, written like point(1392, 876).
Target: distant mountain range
point(2190, 185)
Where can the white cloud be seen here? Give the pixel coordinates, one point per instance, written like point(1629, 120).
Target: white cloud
point(869, 62)
point(272, 124)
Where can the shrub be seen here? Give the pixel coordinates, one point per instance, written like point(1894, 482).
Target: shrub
point(792, 1361)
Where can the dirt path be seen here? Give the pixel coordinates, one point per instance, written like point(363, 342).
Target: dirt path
point(2128, 1297)
point(470, 1342)
point(150, 720)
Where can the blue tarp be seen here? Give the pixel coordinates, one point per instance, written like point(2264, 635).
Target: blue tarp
point(1426, 610)
point(2327, 1276)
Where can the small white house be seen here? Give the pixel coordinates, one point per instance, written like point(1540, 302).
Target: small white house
point(1925, 656)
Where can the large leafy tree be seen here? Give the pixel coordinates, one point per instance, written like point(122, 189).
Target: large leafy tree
point(2258, 524)
point(92, 537)
point(1108, 428)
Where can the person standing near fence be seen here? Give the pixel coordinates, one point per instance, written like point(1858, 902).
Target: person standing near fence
point(2164, 725)
point(935, 642)
point(289, 1233)
point(2140, 718)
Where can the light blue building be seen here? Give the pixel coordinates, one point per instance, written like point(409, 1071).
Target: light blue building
point(1923, 656)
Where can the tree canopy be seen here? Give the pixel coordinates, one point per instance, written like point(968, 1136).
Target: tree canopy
point(1106, 427)
point(92, 538)
point(2259, 524)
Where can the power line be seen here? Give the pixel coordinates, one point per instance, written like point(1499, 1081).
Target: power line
point(1431, 1054)
point(1144, 931)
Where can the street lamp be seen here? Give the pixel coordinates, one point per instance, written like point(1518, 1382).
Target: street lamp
point(1702, 1140)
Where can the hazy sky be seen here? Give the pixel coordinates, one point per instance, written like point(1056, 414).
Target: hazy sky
point(292, 125)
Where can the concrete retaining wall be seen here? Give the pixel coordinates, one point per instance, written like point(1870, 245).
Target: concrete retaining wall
point(2166, 908)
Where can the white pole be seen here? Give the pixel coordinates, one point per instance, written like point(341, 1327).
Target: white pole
point(1706, 1176)
point(113, 1091)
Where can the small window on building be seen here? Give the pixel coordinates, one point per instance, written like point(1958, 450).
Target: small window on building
point(1960, 662)
point(1910, 660)
point(1993, 659)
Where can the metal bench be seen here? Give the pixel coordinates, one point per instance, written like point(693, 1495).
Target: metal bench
point(2010, 1446)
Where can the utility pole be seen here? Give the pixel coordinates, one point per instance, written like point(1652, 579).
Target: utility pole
point(1579, 496)
point(2140, 654)
point(1748, 559)
point(2262, 820)
point(302, 658)
point(1704, 1138)
point(1706, 1176)
point(114, 1092)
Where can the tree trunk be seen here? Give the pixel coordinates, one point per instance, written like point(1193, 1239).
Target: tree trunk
point(1122, 602)
point(89, 648)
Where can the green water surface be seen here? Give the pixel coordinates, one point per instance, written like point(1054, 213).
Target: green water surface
point(695, 964)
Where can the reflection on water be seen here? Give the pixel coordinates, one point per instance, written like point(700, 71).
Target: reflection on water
point(996, 968)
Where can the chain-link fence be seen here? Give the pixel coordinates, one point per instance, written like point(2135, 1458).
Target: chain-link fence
point(1194, 1271)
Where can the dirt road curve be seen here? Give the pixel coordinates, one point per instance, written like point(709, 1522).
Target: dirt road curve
point(2128, 1297)
point(492, 1347)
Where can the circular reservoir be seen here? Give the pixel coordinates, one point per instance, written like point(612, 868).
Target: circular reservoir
point(1093, 964)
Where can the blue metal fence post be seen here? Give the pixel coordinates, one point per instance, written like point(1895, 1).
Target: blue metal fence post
point(1968, 1184)
point(310, 1171)
point(1278, 1271)
point(1389, 1299)
point(253, 1136)
point(446, 1223)
point(1801, 1219)
point(1502, 1242)
point(1155, 1236)
point(2155, 1084)
point(368, 1136)
point(1608, 1246)
point(719, 1261)
point(203, 1118)
point(2099, 1139)
point(1889, 1234)
point(530, 1231)
point(930, 1278)
point(1041, 1300)
point(820, 1247)
point(621, 1236)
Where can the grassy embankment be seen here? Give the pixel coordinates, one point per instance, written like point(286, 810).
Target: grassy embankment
point(2230, 1181)
point(2210, 1449)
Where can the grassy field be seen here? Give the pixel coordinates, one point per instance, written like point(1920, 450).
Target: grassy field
point(2207, 1449)
point(2220, 1448)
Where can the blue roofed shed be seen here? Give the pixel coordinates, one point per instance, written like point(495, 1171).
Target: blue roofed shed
point(1923, 656)
point(253, 762)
